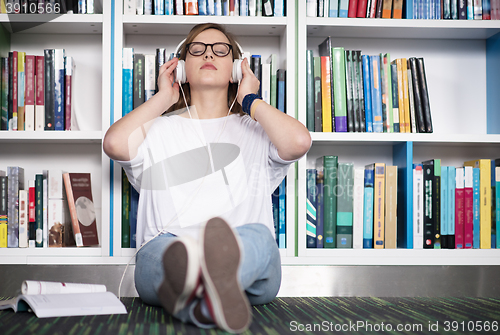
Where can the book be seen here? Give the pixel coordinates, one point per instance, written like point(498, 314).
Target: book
point(282, 215)
point(379, 206)
point(468, 207)
point(339, 89)
point(436, 201)
point(311, 208)
point(310, 90)
point(319, 208)
point(360, 91)
point(451, 206)
point(376, 94)
point(39, 210)
point(475, 208)
point(459, 208)
point(418, 206)
point(52, 299)
point(416, 89)
point(387, 9)
point(4, 125)
point(266, 82)
point(391, 194)
point(318, 111)
point(49, 88)
point(444, 207)
point(81, 208)
point(428, 170)
point(497, 204)
point(59, 89)
point(280, 90)
point(23, 218)
point(406, 97)
point(385, 63)
point(69, 107)
point(4, 223)
point(29, 109)
point(368, 207)
point(40, 94)
point(349, 76)
point(134, 205)
point(328, 166)
point(411, 100)
point(424, 94)
point(353, 8)
point(367, 93)
point(325, 50)
point(125, 210)
point(191, 7)
point(15, 176)
point(255, 66)
point(344, 190)
point(484, 166)
point(357, 211)
point(149, 76)
point(21, 80)
point(273, 61)
point(326, 100)
point(31, 214)
point(138, 80)
point(127, 80)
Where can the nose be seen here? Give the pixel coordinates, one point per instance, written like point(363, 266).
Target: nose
point(209, 53)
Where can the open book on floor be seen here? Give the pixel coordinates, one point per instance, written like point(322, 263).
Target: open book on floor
point(55, 299)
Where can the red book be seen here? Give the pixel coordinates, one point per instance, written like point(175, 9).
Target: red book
point(31, 213)
point(13, 125)
point(459, 208)
point(81, 208)
point(353, 8)
point(29, 108)
point(69, 67)
point(40, 94)
point(361, 10)
point(468, 213)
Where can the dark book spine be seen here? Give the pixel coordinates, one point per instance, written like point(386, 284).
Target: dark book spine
point(49, 88)
point(436, 206)
point(310, 90)
point(349, 94)
point(311, 209)
point(10, 90)
point(138, 80)
point(383, 93)
point(319, 209)
point(13, 121)
point(125, 211)
point(4, 196)
point(419, 113)
point(317, 95)
point(160, 59)
point(462, 9)
point(134, 202)
point(355, 94)
point(424, 94)
point(5, 94)
point(428, 203)
point(378, 13)
point(281, 91)
point(39, 210)
point(361, 96)
point(59, 89)
point(257, 70)
point(395, 96)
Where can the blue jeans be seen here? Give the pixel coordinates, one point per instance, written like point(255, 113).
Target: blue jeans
point(259, 273)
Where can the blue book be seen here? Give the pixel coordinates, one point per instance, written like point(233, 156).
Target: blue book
point(475, 208)
point(368, 94)
point(368, 207)
point(444, 202)
point(345, 189)
point(437, 12)
point(282, 210)
point(279, 8)
point(210, 7)
point(319, 209)
point(334, 9)
point(409, 9)
point(451, 197)
point(202, 7)
point(276, 212)
point(169, 7)
point(134, 202)
point(159, 9)
point(281, 90)
point(127, 80)
point(58, 89)
point(343, 7)
point(378, 125)
point(244, 8)
point(311, 208)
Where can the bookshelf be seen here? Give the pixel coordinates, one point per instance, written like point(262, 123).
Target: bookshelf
point(87, 39)
point(460, 60)
point(257, 35)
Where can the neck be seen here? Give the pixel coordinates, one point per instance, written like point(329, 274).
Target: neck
point(210, 104)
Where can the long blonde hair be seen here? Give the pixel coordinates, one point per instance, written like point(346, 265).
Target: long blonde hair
point(233, 87)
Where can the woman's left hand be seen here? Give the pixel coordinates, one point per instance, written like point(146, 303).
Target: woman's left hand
point(249, 84)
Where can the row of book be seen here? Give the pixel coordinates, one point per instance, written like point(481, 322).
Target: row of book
point(36, 91)
point(55, 210)
point(452, 207)
point(351, 92)
point(48, 7)
point(407, 9)
point(205, 7)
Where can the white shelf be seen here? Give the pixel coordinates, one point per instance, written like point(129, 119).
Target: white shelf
point(393, 28)
point(398, 257)
point(179, 24)
point(66, 137)
point(53, 23)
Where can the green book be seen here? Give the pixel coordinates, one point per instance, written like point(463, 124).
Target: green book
point(125, 211)
point(310, 90)
point(39, 210)
point(344, 192)
point(273, 60)
point(318, 107)
point(328, 165)
point(339, 88)
point(388, 86)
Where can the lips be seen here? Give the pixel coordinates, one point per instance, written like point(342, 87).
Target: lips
point(208, 66)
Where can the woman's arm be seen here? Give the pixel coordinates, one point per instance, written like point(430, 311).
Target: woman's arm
point(291, 137)
point(125, 136)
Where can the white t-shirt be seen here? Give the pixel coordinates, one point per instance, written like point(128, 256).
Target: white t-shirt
point(188, 171)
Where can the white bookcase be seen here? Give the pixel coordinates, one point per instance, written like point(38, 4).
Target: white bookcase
point(257, 35)
point(456, 56)
point(86, 38)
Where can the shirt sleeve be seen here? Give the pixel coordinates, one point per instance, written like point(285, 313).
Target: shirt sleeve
point(278, 166)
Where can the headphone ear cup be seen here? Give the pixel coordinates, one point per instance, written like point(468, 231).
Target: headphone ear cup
point(237, 73)
point(180, 72)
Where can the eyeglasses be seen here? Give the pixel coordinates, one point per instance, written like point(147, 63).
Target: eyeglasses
point(219, 49)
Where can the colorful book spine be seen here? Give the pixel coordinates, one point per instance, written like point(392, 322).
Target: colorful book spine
point(4, 223)
point(329, 164)
point(497, 204)
point(40, 94)
point(159, 7)
point(326, 99)
point(310, 90)
point(475, 208)
point(352, 122)
point(406, 97)
point(388, 87)
point(32, 214)
point(444, 207)
point(311, 211)
point(378, 125)
point(391, 195)
point(49, 88)
point(343, 8)
point(134, 202)
point(138, 79)
point(418, 206)
point(280, 90)
point(468, 207)
point(318, 111)
point(339, 87)
point(459, 208)
point(149, 76)
point(15, 176)
point(39, 210)
point(451, 206)
point(13, 119)
point(368, 207)
point(127, 81)
point(428, 205)
point(358, 193)
point(59, 89)
point(411, 101)
point(125, 211)
point(379, 207)
point(368, 93)
point(345, 184)
point(484, 166)
point(360, 90)
point(29, 109)
point(23, 218)
point(4, 123)
point(21, 82)
point(68, 108)
point(395, 97)
point(319, 209)
point(282, 218)
point(279, 8)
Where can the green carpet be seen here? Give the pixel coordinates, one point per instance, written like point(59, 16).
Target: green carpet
point(288, 315)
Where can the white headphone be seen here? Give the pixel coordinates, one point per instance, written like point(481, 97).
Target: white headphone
point(180, 71)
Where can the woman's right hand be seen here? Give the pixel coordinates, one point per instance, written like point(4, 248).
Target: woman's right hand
point(166, 85)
